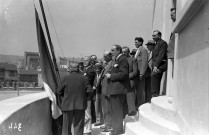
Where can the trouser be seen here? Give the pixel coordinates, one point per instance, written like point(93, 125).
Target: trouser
point(88, 118)
point(98, 109)
point(106, 110)
point(155, 83)
point(140, 92)
point(117, 102)
point(148, 94)
point(130, 97)
point(75, 117)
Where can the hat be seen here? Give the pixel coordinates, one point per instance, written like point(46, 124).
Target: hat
point(150, 42)
point(133, 52)
point(98, 64)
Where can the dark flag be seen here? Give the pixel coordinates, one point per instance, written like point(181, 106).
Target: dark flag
point(48, 73)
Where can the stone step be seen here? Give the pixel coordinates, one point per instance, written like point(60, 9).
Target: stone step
point(163, 106)
point(135, 128)
point(155, 123)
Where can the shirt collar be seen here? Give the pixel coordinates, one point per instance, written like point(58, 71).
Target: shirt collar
point(88, 67)
point(118, 56)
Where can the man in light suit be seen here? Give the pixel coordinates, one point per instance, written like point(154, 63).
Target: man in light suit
point(73, 90)
point(159, 59)
point(118, 84)
point(133, 72)
point(89, 73)
point(142, 59)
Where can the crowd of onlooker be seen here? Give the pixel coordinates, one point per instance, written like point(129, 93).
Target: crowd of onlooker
point(105, 92)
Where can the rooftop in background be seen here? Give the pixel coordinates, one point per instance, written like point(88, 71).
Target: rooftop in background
point(8, 66)
point(29, 72)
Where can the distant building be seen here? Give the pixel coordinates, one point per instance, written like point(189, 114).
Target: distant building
point(8, 72)
point(62, 62)
point(29, 76)
point(31, 60)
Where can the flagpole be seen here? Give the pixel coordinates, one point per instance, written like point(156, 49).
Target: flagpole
point(50, 42)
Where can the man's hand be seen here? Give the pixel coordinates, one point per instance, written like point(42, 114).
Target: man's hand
point(94, 88)
point(108, 75)
point(156, 70)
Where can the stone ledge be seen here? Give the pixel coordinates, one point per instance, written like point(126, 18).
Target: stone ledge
point(26, 115)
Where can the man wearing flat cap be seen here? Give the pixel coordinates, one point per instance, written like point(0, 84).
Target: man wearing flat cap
point(133, 52)
point(97, 88)
point(150, 46)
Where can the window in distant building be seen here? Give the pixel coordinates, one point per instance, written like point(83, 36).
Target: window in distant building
point(2, 73)
point(12, 73)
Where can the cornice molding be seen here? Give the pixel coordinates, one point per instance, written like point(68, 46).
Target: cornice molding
point(187, 13)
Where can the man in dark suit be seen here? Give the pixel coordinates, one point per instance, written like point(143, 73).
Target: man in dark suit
point(106, 107)
point(142, 60)
point(90, 73)
point(159, 59)
point(133, 71)
point(73, 90)
point(150, 46)
point(117, 87)
point(97, 88)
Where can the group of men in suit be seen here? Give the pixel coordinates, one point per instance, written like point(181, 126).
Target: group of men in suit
point(105, 92)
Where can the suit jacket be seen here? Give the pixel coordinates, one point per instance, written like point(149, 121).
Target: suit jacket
point(97, 82)
point(133, 71)
point(142, 59)
point(73, 89)
point(90, 75)
point(119, 82)
point(159, 56)
point(149, 68)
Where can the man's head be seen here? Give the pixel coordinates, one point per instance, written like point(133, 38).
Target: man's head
point(125, 51)
point(73, 67)
point(133, 52)
point(87, 61)
point(173, 14)
point(138, 41)
point(116, 50)
point(156, 35)
point(93, 59)
point(150, 45)
point(98, 68)
point(107, 56)
point(81, 66)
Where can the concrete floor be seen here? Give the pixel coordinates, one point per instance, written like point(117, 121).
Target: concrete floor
point(6, 94)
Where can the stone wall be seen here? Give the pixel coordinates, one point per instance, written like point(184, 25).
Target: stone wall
point(26, 115)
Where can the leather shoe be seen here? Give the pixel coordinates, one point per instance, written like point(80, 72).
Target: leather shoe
point(97, 124)
point(106, 130)
point(132, 113)
point(103, 127)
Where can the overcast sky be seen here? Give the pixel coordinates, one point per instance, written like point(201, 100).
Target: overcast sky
point(84, 27)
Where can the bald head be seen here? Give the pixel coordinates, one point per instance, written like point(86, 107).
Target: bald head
point(87, 61)
point(107, 56)
point(74, 67)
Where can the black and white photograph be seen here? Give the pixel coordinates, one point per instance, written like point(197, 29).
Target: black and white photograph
point(104, 67)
